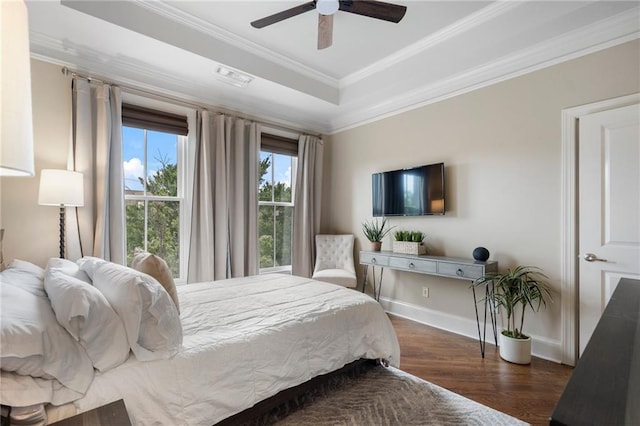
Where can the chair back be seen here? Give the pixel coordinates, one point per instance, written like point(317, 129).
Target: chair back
point(334, 252)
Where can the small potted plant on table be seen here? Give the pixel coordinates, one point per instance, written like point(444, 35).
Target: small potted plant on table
point(514, 291)
point(409, 242)
point(375, 231)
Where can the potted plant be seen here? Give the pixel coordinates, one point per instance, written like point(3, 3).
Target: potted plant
point(375, 231)
point(516, 290)
point(409, 242)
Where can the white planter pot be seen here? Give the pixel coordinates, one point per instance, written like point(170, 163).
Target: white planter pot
point(513, 350)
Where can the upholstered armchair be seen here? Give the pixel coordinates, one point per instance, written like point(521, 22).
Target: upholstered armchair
point(334, 260)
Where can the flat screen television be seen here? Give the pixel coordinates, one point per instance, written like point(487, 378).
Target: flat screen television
point(409, 192)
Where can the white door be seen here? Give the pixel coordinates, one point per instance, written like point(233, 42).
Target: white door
point(609, 209)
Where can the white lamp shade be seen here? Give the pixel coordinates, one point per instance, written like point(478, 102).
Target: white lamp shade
point(61, 187)
point(16, 125)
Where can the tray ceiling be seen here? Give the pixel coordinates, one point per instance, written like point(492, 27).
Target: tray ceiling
point(374, 68)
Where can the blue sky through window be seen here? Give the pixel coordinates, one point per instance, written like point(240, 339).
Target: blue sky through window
point(165, 145)
point(159, 146)
point(282, 167)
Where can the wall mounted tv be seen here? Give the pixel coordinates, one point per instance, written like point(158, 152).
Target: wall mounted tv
point(409, 192)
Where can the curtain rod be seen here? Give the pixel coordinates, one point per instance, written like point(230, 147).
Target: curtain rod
point(160, 96)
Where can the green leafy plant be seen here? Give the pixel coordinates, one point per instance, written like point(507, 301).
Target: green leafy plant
point(523, 286)
point(400, 235)
point(417, 236)
point(375, 231)
point(411, 236)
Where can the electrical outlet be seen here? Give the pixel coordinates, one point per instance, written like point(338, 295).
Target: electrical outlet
point(425, 292)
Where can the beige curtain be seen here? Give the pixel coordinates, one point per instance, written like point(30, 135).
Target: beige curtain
point(224, 221)
point(306, 216)
point(97, 228)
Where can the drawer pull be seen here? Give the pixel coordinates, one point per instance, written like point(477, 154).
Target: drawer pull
point(460, 272)
point(373, 260)
point(411, 265)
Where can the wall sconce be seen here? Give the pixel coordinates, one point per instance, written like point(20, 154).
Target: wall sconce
point(16, 137)
point(64, 188)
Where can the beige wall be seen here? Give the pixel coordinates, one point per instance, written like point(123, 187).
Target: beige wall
point(501, 149)
point(31, 231)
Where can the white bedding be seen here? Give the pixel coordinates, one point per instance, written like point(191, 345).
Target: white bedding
point(244, 340)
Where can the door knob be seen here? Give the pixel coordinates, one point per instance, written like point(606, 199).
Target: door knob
point(590, 257)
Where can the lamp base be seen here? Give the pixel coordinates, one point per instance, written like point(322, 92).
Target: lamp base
point(62, 210)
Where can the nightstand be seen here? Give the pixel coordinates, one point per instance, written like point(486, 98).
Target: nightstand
point(113, 414)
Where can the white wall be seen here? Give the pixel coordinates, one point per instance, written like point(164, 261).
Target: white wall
point(31, 231)
point(501, 149)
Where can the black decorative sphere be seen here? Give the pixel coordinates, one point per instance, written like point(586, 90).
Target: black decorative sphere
point(481, 254)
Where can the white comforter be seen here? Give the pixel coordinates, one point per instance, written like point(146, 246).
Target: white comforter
point(245, 340)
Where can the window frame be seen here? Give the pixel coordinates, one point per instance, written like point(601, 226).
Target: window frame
point(186, 161)
point(289, 135)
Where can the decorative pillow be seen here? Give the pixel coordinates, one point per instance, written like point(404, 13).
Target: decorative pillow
point(150, 318)
point(155, 266)
point(34, 344)
point(25, 275)
point(86, 314)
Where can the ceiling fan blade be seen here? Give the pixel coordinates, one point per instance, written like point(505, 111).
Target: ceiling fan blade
point(281, 16)
point(374, 9)
point(325, 31)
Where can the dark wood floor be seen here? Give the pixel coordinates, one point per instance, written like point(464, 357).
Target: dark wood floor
point(528, 392)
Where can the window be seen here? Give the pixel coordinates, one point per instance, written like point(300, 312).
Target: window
point(278, 164)
point(153, 183)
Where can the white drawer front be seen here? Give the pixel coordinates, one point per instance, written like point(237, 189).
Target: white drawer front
point(417, 265)
point(460, 271)
point(374, 259)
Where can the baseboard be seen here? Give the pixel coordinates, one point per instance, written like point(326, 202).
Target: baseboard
point(541, 347)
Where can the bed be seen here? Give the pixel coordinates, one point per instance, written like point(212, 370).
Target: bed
point(243, 341)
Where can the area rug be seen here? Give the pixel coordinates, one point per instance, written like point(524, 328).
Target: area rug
point(378, 395)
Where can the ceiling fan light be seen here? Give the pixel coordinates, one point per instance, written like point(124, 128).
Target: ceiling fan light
point(327, 7)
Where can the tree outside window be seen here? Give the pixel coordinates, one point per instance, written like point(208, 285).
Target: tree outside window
point(152, 194)
point(275, 210)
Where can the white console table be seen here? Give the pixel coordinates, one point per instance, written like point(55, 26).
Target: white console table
point(450, 267)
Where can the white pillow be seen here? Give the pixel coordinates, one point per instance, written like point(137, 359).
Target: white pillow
point(67, 267)
point(29, 267)
point(150, 318)
point(25, 275)
point(89, 264)
point(86, 314)
point(34, 344)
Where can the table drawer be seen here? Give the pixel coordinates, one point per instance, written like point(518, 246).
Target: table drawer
point(374, 259)
point(457, 270)
point(416, 265)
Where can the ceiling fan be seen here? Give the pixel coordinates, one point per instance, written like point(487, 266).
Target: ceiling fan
point(326, 8)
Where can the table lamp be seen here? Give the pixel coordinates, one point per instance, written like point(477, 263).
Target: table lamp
point(62, 188)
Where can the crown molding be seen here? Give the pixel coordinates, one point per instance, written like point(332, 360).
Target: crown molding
point(459, 27)
point(610, 32)
point(606, 33)
point(131, 16)
point(195, 23)
point(139, 77)
point(52, 50)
